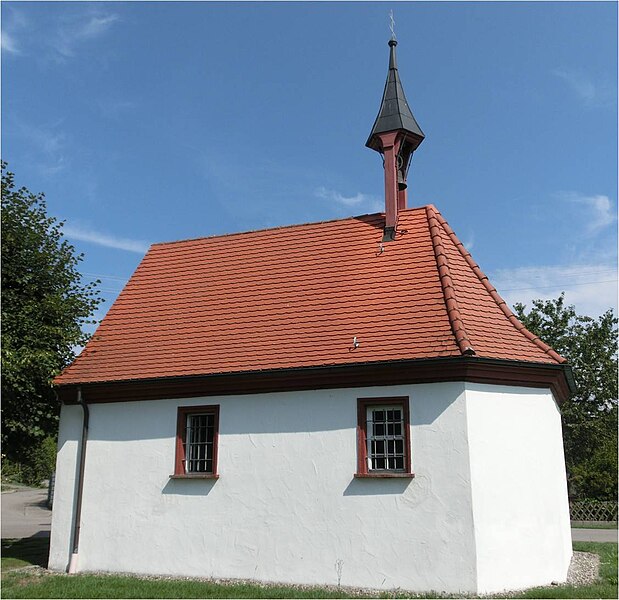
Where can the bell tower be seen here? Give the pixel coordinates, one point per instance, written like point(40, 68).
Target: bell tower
point(396, 135)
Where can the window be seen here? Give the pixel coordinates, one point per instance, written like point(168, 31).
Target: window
point(383, 438)
point(196, 441)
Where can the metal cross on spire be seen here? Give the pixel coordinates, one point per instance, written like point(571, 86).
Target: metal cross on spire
point(391, 24)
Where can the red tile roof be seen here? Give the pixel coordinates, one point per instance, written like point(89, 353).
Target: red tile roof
point(297, 296)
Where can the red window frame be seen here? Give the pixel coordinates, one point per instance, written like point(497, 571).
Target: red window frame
point(181, 428)
point(362, 456)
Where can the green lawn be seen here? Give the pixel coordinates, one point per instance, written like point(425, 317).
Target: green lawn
point(23, 553)
point(593, 525)
point(607, 586)
point(25, 583)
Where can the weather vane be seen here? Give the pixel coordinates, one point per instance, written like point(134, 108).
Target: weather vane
point(391, 24)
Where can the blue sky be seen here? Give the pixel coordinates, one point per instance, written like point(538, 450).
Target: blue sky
point(147, 122)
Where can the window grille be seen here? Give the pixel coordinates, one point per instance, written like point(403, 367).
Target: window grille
point(199, 437)
point(385, 439)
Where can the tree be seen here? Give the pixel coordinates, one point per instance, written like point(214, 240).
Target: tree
point(590, 416)
point(44, 305)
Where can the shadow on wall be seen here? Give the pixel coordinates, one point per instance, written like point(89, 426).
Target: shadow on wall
point(284, 412)
point(432, 401)
point(377, 487)
point(189, 487)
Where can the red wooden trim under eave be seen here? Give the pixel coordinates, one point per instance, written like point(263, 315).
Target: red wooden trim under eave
point(181, 422)
point(362, 456)
point(463, 368)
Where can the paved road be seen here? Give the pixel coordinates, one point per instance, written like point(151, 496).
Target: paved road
point(25, 513)
point(594, 535)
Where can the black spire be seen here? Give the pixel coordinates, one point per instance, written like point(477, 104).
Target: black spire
point(394, 113)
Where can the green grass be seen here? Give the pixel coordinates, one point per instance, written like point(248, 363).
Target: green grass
point(104, 586)
point(24, 553)
point(18, 583)
point(8, 486)
point(605, 588)
point(593, 525)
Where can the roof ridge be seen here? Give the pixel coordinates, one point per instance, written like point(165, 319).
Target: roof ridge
point(483, 278)
point(447, 286)
point(276, 228)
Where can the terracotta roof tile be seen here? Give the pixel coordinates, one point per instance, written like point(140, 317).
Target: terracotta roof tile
point(297, 296)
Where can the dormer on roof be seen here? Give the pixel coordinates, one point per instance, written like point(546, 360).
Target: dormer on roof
point(396, 135)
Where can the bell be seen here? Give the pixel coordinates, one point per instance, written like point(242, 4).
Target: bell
point(401, 181)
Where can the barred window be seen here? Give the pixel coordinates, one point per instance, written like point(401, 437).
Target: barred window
point(196, 441)
point(383, 438)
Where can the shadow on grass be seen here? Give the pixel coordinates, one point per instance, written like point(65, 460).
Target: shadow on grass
point(25, 552)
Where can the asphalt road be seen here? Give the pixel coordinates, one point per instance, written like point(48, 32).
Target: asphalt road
point(25, 514)
point(594, 535)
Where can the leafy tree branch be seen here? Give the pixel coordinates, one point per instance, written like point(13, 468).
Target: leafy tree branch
point(590, 416)
point(45, 304)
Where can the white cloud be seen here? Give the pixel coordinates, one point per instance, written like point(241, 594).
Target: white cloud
point(63, 35)
point(370, 203)
point(602, 211)
point(592, 288)
point(593, 94)
point(578, 82)
point(9, 44)
point(113, 108)
point(470, 243)
point(599, 210)
point(47, 144)
point(103, 239)
point(96, 26)
point(79, 28)
point(53, 167)
point(48, 140)
point(13, 21)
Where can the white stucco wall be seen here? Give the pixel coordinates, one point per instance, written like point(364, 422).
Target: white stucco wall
point(69, 434)
point(287, 507)
point(520, 503)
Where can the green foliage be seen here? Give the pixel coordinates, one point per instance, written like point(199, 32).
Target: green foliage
point(590, 416)
point(11, 471)
point(44, 305)
point(35, 467)
point(595, 476)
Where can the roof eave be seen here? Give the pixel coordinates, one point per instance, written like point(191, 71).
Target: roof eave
point(477, 369)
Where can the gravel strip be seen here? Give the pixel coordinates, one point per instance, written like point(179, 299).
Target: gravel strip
point(584, 569)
